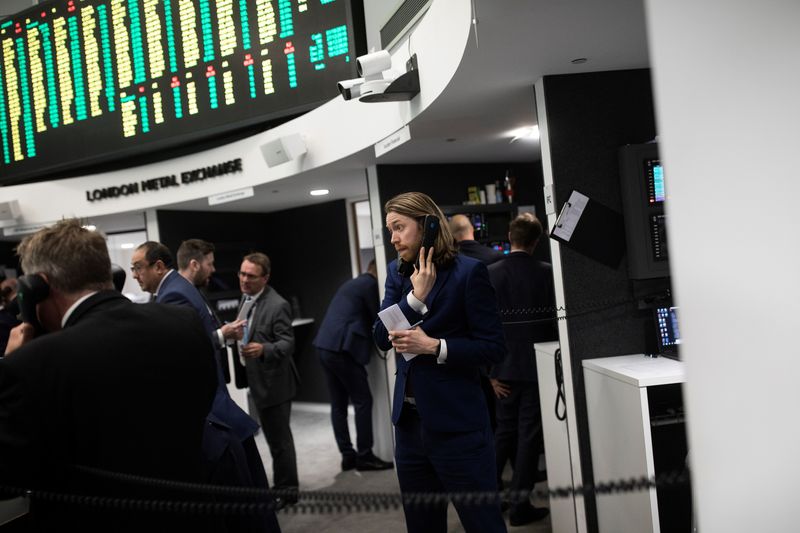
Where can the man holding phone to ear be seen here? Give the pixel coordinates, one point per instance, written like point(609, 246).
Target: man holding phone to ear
point(444, 442)
point(112, 385)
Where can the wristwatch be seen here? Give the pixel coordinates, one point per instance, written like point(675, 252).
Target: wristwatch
point(438, 348)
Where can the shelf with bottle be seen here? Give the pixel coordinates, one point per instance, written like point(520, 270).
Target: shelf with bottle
point(490, 221)
point(478, 208)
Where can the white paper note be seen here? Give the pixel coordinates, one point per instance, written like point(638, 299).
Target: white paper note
point(570, 215)
point(394, 319)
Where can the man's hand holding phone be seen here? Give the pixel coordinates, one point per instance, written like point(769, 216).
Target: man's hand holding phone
point(20, 335)
point(233, 330)
point(424, 277)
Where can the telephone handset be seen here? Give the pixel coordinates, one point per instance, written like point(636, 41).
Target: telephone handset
point(31, 290)
point(430, 230)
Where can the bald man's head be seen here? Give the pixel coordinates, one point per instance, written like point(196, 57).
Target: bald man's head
point(461, 228)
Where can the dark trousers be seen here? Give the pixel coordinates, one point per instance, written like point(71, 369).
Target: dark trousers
point(431, 461)
point(347, 381)
point(519, 433)
point(275, 425)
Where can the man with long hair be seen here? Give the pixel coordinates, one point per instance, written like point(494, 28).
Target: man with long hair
point(444, 442)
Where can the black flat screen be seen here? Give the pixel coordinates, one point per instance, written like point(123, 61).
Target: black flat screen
point(84, 81)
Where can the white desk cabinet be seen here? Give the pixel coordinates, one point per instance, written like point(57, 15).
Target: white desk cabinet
point(620, 434)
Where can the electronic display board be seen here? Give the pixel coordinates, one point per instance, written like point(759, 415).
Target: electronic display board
point(82, 81)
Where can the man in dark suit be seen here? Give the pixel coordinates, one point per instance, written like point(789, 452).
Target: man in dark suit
point(443, 439)
point(113, 385)
point(344, 344)
point(152, 267)
point(525, 295)
point(464, 234)
point(267, 349)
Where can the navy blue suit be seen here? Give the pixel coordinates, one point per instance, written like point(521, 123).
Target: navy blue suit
point(179, 291)
point(444, 443)
point(526, 297)
point(228, 443)
point(481, 252)
point(344, 345)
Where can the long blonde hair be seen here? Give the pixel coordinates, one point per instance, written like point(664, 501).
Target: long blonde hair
point(416, 205)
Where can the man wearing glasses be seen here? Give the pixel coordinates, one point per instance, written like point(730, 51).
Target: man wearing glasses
point(267, 348)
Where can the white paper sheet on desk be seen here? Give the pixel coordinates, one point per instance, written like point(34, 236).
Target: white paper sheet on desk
point(394, 319)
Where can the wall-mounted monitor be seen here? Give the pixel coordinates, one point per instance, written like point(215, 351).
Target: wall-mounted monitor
point(90, 81)
point(643, 189)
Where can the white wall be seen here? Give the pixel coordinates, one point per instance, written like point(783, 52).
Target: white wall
point(726, 86)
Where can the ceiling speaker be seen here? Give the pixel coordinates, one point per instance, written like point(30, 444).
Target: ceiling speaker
point(9, 210)
point(283, 149)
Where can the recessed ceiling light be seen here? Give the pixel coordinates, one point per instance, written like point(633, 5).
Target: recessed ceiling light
point(319, 192)
point(579, 61)
point(527, 133)
point(127, 245)
point(90, 227)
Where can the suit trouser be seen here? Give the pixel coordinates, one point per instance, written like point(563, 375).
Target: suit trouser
point(278, 434)
point(347, 381)
point(519, 433)
point(432, 461)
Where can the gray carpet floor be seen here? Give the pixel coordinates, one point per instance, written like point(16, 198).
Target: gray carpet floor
point(319, 469)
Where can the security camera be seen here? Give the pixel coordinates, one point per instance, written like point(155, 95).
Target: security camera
point(371, 66)
point(350, 89)
point(373, 87)
point(379, 83)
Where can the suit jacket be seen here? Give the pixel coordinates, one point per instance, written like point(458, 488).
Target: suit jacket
point(273, 377)
point(122, 387)
point(178, 290)
point(462, 310)
point(525, 293)
point(347, 326)
point(478, 251)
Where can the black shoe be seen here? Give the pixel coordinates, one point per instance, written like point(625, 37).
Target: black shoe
point(527, 514)
point(348, 462)
point(370, 462)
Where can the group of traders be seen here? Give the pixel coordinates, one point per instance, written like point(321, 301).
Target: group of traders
point(139, 389)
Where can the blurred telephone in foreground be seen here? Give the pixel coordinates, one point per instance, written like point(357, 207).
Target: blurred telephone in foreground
point(430, 230)
point(31, 290)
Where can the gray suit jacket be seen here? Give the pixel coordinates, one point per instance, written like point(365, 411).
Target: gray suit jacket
point(273, 377)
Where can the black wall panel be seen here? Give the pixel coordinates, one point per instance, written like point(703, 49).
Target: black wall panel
point(589, 117)
point(310, 255)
